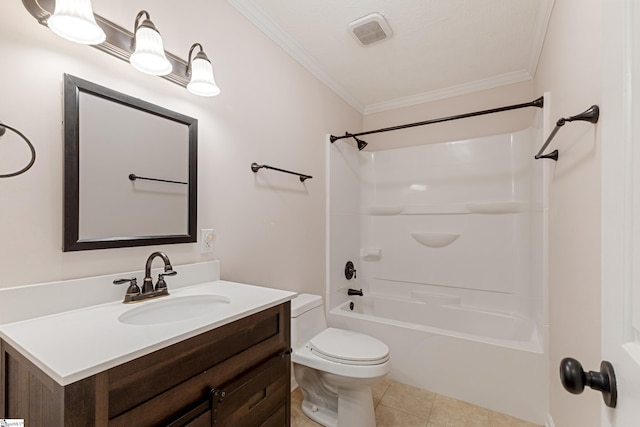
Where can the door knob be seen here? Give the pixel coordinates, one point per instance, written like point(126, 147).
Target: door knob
point(574, 379)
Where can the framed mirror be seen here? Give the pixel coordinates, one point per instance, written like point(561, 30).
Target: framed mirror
point(130, 170)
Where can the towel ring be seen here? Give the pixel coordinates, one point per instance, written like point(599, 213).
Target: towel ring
point(3, 129)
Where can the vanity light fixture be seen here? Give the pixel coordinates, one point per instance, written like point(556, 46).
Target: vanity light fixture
point(200, 70)
point(148, 55)
point(74, 20)
point(143, 48)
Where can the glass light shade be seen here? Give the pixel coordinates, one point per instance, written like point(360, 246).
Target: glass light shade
point(149, 54)
point(74, 20)
point(202, 82)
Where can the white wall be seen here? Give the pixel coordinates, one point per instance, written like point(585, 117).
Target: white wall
point(269, 226)
point(571, 69)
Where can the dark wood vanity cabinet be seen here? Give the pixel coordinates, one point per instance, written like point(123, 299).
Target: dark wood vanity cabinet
point(235, 375)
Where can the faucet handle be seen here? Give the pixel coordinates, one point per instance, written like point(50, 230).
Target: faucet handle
point(133, 289)
point(161, 284)
point(170, 273)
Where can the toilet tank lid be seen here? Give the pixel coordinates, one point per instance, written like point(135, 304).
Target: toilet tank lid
point(303, 303)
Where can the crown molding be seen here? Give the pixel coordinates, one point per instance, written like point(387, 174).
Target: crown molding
point(449, 92)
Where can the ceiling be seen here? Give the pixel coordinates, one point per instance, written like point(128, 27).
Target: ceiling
point(439, 48)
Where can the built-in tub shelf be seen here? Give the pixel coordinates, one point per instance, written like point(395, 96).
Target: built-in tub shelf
point(435, 240)
point(497, 207)
point(370, 254)
point(382, 210)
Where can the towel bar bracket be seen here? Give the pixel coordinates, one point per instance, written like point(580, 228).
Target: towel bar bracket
point(591, 115)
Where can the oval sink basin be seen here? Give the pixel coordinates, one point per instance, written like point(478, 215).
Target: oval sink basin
point(173, 309)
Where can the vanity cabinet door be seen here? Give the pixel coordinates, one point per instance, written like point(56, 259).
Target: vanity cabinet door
point(256, 397)
point(200, 416)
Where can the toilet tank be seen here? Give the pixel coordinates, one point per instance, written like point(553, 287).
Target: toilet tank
point(307, 318)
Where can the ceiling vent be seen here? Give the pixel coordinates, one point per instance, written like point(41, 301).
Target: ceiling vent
point(370, 29)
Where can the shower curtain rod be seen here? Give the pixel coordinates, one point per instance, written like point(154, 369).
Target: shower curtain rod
point(536, 103)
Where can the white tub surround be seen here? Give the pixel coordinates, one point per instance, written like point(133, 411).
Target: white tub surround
point(448, 240)
point(70, 344)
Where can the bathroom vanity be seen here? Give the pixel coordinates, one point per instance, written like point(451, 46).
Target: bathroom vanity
point(117, 364)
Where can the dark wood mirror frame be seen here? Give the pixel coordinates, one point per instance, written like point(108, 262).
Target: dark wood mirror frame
point(73, 87)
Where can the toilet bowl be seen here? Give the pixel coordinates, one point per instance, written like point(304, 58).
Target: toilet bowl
point(334, 368)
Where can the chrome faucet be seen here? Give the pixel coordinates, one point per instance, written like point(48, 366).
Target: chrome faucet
point(135, 294)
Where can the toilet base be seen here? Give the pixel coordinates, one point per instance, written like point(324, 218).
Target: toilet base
point(355, 409)
point(322, 416)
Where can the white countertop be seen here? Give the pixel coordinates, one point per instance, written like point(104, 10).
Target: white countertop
point(76, 344)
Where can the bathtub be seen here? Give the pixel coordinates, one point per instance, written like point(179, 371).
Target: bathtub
point(445, 316)
point(491, 359)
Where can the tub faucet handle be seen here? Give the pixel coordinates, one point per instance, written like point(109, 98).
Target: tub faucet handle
point(350, 271)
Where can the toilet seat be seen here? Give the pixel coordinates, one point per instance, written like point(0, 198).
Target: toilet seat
point(348, 347)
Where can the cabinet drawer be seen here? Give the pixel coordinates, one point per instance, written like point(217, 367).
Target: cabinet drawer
point(256, 398)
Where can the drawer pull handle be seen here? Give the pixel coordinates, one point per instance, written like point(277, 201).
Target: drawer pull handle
point(257, 398)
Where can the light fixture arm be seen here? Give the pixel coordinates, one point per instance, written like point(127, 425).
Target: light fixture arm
point(190, 59)
point(140, 14)
point(147, 22)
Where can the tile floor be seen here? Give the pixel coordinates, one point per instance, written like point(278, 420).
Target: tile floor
point(400, 405)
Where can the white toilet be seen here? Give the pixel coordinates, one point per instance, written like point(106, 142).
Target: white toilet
point(334, 368)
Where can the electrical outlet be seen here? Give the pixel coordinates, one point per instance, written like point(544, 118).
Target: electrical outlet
point(206, 240)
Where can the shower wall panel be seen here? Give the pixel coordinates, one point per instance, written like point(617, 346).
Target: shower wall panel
point(455, 218)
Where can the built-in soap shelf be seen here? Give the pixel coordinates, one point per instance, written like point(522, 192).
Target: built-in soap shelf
point(370, 254)
point(492, 208)
point(435, 240)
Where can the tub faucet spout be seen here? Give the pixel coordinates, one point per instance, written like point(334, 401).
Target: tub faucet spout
point(355, 292)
